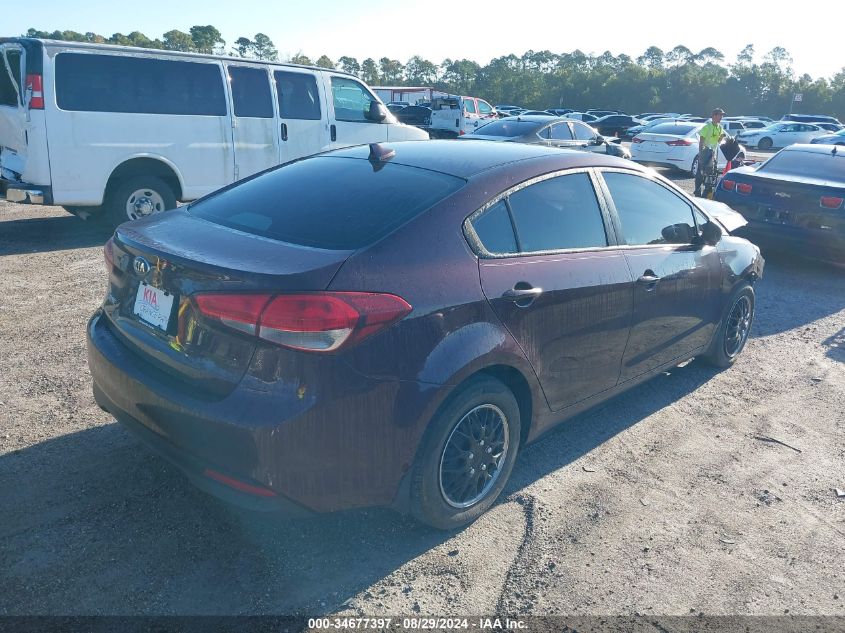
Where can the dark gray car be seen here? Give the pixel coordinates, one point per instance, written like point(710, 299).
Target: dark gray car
point(549, 131)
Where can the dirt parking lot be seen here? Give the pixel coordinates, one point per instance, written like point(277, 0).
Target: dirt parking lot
point(662, 501)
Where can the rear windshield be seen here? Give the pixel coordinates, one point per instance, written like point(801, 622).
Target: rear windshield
point(8, 92)
point(672, 128)
point(504, 127)
point(809, 164)
point(328, 202)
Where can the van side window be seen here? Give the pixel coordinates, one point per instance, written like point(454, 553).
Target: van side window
point(8, 94)
point(351, 100)
point(250, 92)
point(298, 96)
point(126, 83)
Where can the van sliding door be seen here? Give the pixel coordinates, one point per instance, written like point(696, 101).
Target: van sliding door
point(253, 120)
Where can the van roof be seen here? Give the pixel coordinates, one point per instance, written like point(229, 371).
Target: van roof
point(159, 51)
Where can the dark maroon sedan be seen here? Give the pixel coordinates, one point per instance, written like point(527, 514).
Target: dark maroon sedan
point(389, 325)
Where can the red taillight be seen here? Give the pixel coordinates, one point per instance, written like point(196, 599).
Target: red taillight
point(258, 491)
point(35, 86)
point(636, 140)
point(239, 311)
point(743, 188)
point(728, 185)
point(108, 253)
point(830, 202)
point(314, 322)
point(681, 142)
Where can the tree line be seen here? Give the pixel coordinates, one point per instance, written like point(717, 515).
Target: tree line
point(678, 80)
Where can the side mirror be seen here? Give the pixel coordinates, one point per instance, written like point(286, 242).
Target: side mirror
point(599, 140)
point(377, 112)
point(711, 233)
point(678, 233)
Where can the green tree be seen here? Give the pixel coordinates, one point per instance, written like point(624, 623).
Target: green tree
point(349, 65)
point(244, 47)
point(652, 58)
point(369, 71)
point(206, 38)
point(419, 71)
point(325, 62)
point(264, 48)
point(391, 70)
point(299, 58)
point(178, 41)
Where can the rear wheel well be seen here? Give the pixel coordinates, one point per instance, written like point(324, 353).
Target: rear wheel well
point(513, 379)
point(144, 167)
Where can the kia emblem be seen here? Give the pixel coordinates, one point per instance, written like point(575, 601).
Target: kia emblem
point(141, 266)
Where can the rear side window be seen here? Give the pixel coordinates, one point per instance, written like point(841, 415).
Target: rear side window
point(495, 230)
point(294, 204)
point(251, 92)
point(298, 96)
point(648, 212)
point(561, 132)
point(120, 83)
point(8, 92)
point(558, 213)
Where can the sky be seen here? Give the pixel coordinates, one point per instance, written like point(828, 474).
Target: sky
point(480, 31)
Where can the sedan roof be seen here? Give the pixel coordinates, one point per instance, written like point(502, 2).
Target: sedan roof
point(467, 158)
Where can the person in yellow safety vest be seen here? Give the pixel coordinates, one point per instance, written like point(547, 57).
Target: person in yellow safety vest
point(708, 145)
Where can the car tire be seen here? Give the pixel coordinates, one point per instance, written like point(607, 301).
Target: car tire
point(479, 419)
point(147, 194)
point(731, 335)
point(765, 143)
point(694, 166)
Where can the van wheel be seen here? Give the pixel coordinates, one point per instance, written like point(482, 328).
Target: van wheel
point(137, 197)
point(733, 330)
point(466, 456)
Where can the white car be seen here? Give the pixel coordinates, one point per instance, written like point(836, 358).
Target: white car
point(670, 144)
point(780, 134)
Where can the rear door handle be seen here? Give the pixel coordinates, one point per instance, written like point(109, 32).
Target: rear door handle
point(648, 279)
point(284, 131)
point(522, 297)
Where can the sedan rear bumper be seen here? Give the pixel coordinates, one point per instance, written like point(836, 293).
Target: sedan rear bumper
point(344, 443)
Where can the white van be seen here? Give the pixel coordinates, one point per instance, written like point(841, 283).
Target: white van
point(124, 132)
point(453, 115)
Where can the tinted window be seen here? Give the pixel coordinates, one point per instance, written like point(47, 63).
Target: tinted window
point(494, 229)
point(584, 132)
point(112, 83)
point(648, 212)
point(298, 96)
point(484, 107)
point(811, 164)
point(351, 100)
point(251, 92)
point(673, 129)
point(8, 94)
point(469, 106)
point(561, 132)
point(507, 127)
point(558, 213)
point(293, 203)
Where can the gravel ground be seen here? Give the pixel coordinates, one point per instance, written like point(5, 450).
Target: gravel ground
point(659, 502)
